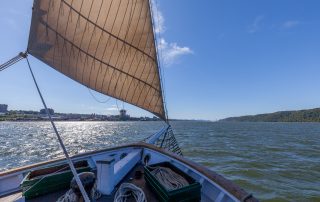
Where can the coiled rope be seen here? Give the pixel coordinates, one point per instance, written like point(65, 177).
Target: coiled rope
point(127, 190)
point(70, 196)
point(168, 178)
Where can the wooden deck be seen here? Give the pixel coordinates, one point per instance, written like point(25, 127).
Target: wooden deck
point(130, 177)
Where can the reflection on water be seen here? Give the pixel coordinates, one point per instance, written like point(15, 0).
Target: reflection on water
point(23, 143)
point(274, 161)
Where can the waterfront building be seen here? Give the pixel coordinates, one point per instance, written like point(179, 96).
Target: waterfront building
point(3, 108)
point(43, 111)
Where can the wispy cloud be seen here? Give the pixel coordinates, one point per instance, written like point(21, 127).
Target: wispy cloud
point(158, 18)
point(290, 24)
point(113, 108)
point(170, 52)
point(256, 25)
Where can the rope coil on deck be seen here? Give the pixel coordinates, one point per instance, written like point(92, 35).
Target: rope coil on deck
point(168, 178)
point(127, 190)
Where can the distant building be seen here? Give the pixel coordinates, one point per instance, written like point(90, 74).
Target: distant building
point(43, 111)
point(3, 108)
point(123, 115)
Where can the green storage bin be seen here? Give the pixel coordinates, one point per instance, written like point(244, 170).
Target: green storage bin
point(190, 193)
point(51, 179)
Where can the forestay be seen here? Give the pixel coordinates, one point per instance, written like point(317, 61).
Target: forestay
point(108, 46)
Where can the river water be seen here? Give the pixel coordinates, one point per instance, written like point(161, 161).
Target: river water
point(274, 161)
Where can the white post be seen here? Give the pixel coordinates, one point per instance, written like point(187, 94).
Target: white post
point(105, 179)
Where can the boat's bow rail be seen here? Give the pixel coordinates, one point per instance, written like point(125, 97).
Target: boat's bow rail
point(125, 158)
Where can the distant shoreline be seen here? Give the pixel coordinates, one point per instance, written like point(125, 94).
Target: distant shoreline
point(34, 116)
point(298, 116)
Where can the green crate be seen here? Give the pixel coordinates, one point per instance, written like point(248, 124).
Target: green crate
point(190, 193)
point(50, 179)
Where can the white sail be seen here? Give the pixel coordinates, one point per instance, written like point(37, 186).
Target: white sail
point(106, 45)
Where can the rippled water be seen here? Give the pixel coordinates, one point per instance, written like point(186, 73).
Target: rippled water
point(274, 161)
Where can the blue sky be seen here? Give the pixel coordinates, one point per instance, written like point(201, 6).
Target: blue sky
point(220, 59)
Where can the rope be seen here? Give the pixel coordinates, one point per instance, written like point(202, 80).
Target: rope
point(70, 196)
point(96, 99)
point(127, 190)
point(95, 194)
point(169, 179)
point(74, 172)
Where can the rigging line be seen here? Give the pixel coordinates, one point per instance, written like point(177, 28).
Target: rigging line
point(117, 105)
point(74, 172)
point(96, 99)
point(161, 61)
point(10, 62)
point(159, 65)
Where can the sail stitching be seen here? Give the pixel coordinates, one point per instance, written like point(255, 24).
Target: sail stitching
point(95, 53)
point(149, 69)
point(103, 61)
point(143, 67)
point(104, 24)
point(85, 29)
point(124, 61)
point(56, 41)
point(64, 41)
point(90, 44)
point(126, 35)
point(142, 56)
point(73, 36)
point(144, 24)
point(122, 22)
point(114, 36)
point(114, 45)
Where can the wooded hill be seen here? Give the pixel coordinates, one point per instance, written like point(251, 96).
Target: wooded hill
point(309, 115)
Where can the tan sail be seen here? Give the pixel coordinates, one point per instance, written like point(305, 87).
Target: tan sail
point(106, 45)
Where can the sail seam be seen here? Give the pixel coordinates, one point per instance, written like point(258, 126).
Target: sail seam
point(134, 34)
point(85, 28)
point(122, 22)
point(80, 49)
point(144, 24)
point(126, 35)
point(114, 36)
point(95, 53)
point(63, 47)
point(73, 36)
point(145, 64)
